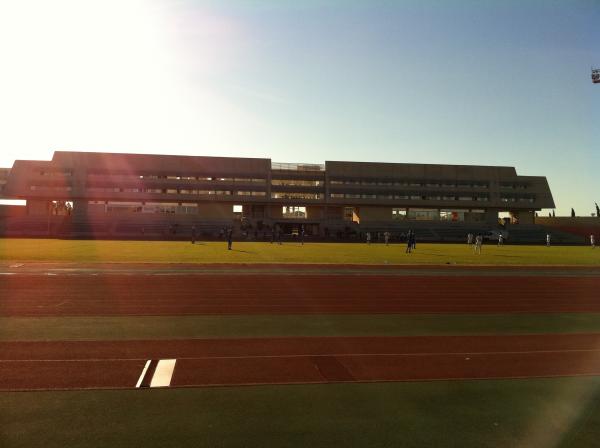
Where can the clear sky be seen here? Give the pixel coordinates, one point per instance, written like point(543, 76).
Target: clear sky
point(465, 82)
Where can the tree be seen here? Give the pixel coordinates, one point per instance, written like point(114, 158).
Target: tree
point(597, 209)
point(572, 213)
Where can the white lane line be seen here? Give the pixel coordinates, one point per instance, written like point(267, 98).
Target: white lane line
point(18, 265)
point(163, 373)
point(322, 355)
point(139, 383)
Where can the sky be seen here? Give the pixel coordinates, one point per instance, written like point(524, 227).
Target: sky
point(430, 81)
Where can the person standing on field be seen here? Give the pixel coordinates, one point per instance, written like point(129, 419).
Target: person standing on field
point(547, 240)
point(469, 239)
point(193, 234)
point(229, 238)
point(592, 241)
point(386, 238)
point(478, 243)
point(368, 237)
point(500, 240)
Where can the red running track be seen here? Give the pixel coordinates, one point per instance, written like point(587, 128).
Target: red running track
point(82, 295)
point(202, 362)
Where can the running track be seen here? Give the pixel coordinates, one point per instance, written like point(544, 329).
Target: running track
point(121, 364)
point(202, 362)
point(103, 295)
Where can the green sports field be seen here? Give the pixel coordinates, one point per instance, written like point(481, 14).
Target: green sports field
point(76, 251)
point(559, 412)
point(531, 412)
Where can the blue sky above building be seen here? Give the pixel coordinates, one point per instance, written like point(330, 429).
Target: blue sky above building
point(469, 82)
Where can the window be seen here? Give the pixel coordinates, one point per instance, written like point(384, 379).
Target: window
point(398, 214)
point(452, 215)
point(293, 212)
point(336, 195)
point(292, 195)
point(423, 214)
point(297, 182)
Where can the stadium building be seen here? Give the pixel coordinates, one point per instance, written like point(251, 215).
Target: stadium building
point(105, 195)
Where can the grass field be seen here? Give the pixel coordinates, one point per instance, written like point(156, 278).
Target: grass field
point(76, 251)
point(559, 412)
point(533, 412)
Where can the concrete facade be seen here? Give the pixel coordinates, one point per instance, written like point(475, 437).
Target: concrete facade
point(105, 186)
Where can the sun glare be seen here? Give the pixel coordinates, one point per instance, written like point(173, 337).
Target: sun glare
point(116, 75)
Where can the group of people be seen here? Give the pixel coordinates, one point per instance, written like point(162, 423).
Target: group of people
point(592, 240)
point(476, 241)
point(411, 240)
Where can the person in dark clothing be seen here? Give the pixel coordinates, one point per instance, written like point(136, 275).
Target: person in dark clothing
point(302, 235)
point(229, 238)
point(193, 234)
point(409, 242)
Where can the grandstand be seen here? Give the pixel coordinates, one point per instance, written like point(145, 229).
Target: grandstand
point(105, 195)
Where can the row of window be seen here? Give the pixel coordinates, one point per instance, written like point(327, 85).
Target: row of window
point(513, 186)
point(297, 182)
point(409, 197)
point(55, 173)
point(292, 195)
point(288, 195)
point(149, 207)
point(206, 178)
point(50, 188)
point(528, 199)
point(412, 183)
point(176, 191)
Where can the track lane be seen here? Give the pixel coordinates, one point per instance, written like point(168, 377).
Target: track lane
point(206, 362)
point(106, 295)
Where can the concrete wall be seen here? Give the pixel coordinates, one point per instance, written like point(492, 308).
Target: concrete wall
point(215, 211)
point(275, 211)
point(37, 208)
point(562, 221)
point(314, 212)
point(367, 214)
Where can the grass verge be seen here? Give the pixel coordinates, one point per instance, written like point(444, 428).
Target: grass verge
point(561, 412)
point(179, 327)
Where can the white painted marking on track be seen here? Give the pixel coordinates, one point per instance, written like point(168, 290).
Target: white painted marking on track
point(18, 265)
point(8, 273)
point(163, 373)
point(139, 383)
